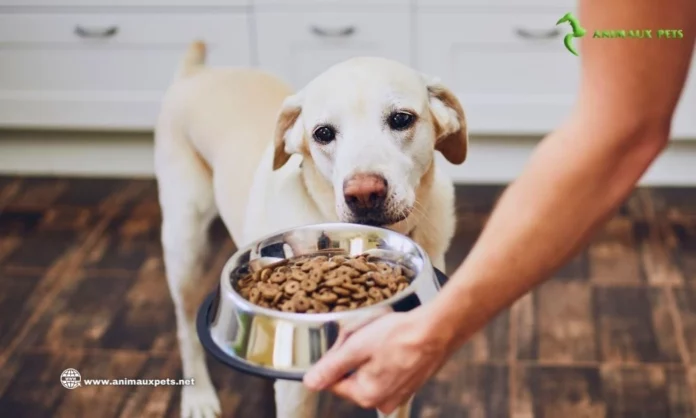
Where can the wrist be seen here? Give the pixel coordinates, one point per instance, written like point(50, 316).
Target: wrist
point(432, 333)
point(444, 319)
point(466, 303)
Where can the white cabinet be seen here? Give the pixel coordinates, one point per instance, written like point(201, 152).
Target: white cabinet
point(276, 4)
point(92, 70)
point(511, 71)
point(104, 64)
point(514, 4)
point(122, 3)
point(299, 46)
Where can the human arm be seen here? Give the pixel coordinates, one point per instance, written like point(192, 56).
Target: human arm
point(576, 178)
point(580, 173)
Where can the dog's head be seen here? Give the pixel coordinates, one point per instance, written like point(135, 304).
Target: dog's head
point(371, 127)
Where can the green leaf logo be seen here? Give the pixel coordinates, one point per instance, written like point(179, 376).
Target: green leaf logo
point(578, 31)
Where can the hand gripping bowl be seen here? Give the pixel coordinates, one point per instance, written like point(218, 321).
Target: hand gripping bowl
point(282, 345)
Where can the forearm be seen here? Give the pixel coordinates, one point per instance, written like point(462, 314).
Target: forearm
point(580, 173)
point(568, 189)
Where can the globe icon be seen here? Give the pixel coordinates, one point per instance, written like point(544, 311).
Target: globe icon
point(70, 378)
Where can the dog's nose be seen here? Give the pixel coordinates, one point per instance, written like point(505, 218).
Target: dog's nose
point(365, 191)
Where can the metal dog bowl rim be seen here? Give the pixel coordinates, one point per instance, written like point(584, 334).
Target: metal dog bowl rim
point(227, 290)
point(204, 320)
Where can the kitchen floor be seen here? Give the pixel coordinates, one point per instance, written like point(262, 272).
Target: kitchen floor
point(82, 286)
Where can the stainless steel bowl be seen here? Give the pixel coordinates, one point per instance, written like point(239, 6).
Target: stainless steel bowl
point(282, 345)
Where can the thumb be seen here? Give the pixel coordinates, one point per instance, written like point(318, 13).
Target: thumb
point(335, 365)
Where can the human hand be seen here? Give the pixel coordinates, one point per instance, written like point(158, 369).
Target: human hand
point(391, 358)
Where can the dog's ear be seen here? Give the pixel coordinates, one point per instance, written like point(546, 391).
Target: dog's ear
point(451, 135)
point(289, 133)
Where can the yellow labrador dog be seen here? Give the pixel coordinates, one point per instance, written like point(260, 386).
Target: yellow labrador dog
point(357, 144)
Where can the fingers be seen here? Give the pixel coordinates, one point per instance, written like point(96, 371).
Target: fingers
point(336, 364)
point(355, 390)
point(367, 394)
point(392, 404)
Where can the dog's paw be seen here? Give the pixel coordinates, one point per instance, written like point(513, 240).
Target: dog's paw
point(199, 402)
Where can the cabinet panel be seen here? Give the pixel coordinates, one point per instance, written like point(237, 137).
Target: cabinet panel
point(299, 46)
point(103, 71)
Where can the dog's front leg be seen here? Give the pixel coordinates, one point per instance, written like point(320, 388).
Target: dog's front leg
point(185, 246)
point(293, 400)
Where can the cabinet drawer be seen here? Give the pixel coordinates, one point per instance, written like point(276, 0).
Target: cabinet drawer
point(511, 71)
point(58, 69)
point(299, 46)
point(526, 4)
point(124, 3)
point(330, 3)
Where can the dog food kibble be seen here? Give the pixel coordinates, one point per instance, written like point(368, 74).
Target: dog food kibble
point(320, 284)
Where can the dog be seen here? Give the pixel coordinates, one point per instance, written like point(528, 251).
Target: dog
point(357, 144)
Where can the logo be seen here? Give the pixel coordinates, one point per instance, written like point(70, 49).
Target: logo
point(639, 34)
point(578, 31)
point(70, 379)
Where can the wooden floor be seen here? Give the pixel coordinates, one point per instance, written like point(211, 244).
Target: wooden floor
point(82, 286)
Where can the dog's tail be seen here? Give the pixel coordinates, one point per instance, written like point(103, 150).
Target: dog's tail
point(194, 59)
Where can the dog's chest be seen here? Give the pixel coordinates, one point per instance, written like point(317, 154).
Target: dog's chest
point(283, 203)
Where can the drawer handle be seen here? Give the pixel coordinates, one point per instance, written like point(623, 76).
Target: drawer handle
point(334, 33)
point(96, 33)
point(548, 34)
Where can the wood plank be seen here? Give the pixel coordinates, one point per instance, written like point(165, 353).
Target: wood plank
point(90, 191)
point(613, 255)
point(565, 326)
point(645, 391)
point(631, 327)
point(490, 344)
point(526, 335)
point(44, 237)
point(680, 396)
point(102, 401)
point(16, 303)
point(474, 390)
point(685, 253)
point(675, 202)
point(577, 269)
point(150, 401)
point(35, 390)
point(558, 392)
point(469, 227)
point(128, 243)
point(82, 313)
point(658, 244)
point(685, 299)
point(37, 193)
point(9, 186)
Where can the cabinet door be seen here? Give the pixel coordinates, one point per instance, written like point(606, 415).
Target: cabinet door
point(511, 71)
point(124, 3)
point(560, 5)
point(299, 46)
point(333, 4)
point(103, 70)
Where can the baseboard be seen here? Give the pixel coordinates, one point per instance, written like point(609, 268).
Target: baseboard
point(491, 160)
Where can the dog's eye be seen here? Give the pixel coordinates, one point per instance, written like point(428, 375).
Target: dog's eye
point(324, 134)
point(401, 120)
